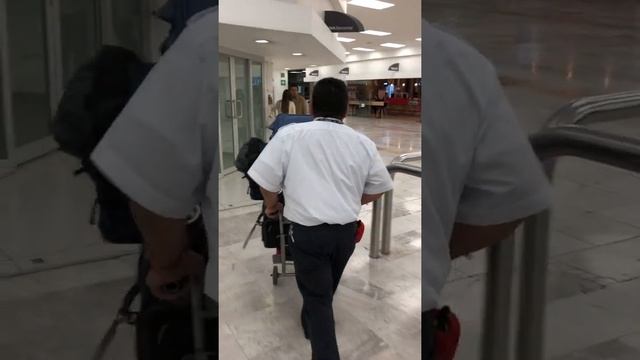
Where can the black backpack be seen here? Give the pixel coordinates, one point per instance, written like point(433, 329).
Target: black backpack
point(93, 98)
point(247, 155)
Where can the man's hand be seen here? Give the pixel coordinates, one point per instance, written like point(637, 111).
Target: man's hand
point(273, 211)
point(173, 283)
point(367, 198)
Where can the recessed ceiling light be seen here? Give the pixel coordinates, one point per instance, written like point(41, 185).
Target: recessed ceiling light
point(313, 65)
point(297, 54)
point(287, 68)
point(345, 39)
point(371, 4)
point(419, 39)
point(393, 45)
point(262, 41)
point(375, 32)
point(347, 53)
point(362, 49)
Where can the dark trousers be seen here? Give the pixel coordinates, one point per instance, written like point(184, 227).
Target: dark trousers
point(428, 335)
point(320, 254)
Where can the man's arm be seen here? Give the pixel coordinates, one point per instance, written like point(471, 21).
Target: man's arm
point(271, 202)
point(165, 239)
point(467, 239)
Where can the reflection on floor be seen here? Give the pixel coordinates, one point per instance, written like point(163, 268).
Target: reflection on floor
point(548, 53)
point(378, 303)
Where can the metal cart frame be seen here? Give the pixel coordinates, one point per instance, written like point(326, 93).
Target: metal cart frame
point(282, 258)
point(278, 259)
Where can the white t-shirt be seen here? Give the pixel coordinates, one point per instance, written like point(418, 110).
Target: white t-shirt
point(479, 168)
point(162, 149)
point(323, 169)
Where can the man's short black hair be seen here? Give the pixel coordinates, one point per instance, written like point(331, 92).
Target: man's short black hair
point(330, 98)
point(293, 86)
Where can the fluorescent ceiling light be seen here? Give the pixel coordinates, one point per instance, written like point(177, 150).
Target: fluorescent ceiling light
point(347, 53)
point(363, 49)
point(345, 39)
point(419, 39)
point(375, 32)
point(371, 4)
point(262, 41)
point(297, 54)
point(393, 45)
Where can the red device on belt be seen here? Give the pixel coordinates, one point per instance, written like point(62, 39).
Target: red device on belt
point(359, 231)
point(447, 338)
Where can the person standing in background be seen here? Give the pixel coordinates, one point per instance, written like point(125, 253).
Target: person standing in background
point(286, 104)
point(298, 100)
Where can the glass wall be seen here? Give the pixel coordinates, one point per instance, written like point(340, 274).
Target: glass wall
point(28, 59)
point(79, 32)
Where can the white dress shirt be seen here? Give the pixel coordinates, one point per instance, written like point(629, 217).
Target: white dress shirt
point(323, 168)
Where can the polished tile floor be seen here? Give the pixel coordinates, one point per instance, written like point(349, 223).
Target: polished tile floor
point(548, 53)
point(378, 303)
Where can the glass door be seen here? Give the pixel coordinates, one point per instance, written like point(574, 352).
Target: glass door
point(257, 96)
point(240, 104)
point(226, 114)
point(242, 100)
point(29, 86)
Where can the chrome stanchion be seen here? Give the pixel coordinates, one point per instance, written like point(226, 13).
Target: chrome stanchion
point(374, 251)
point(533, 288)
point(497, 315)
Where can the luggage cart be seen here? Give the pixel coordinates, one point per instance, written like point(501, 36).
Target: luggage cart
point(281, 262)
point(281, 258)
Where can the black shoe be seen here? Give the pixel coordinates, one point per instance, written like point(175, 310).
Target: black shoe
point(304, 326)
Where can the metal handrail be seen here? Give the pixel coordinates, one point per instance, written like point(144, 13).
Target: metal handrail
point(600, 108)
point(564, 135)
point(574, 141)
point(380, 241)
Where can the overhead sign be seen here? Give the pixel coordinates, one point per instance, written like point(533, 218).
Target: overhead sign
point(394, 67)
point(340, 22)
point(314, 73)
point(345, 71)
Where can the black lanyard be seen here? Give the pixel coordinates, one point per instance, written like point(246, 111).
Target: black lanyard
point(328, 119)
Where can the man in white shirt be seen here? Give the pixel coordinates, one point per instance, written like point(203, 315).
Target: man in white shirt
point(326, 171)
point(481, 177)
point(161, 152)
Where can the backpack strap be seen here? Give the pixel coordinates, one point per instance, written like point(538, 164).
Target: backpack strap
point(124, 315)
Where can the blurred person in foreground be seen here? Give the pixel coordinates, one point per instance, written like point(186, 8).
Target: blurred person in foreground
point(481, 177)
